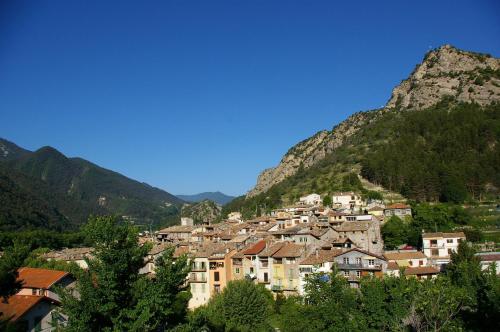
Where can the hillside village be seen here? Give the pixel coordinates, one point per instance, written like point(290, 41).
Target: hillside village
point(279, 251)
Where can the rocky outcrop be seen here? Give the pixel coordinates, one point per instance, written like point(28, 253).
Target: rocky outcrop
point(204, 211)
point(310, 151)
point(449, 72)
point(444, 72)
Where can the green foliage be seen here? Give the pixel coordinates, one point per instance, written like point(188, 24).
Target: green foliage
point(113, 296)
point(11, 260)
point(395, 232)
point(241, 306)
point(46, 190)
point(445, 153)
point(327, 201)
point(43, 239)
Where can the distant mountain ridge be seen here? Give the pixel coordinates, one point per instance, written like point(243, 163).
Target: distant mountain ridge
point(215, 196)
point(65, 191)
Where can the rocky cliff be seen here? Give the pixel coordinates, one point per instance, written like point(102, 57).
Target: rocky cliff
point(204, 211)
point(444, 72)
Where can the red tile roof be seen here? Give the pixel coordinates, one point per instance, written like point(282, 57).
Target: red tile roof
point(39, 278)
point(256, 248)
point(289, 250)
point(443, 235)
point(392, 266)
point(17, 305)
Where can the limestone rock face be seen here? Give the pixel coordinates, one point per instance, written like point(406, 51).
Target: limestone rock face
point(448, 71)
point(444, 72)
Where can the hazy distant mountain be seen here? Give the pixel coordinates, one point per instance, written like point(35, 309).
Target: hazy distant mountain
point(217, 197)
point(61, 190)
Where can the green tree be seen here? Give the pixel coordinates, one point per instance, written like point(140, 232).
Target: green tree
point(327, 201)
point(11, 260)
point(112, 296)
point(395, 232)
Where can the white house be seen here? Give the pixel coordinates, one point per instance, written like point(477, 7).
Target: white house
point(439, 246)
point(312, 199)
point(488, 258)
point(347, 200)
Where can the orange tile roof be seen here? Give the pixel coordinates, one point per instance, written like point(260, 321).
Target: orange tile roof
point(17, 305)
point(256, 248)
point(392, 266)
point(289, 250)
point(321, 256)
point(396, 256)
point(419, 270)
point(39, 278)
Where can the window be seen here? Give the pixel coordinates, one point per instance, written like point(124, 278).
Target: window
point(346, 273)
point(358, 274)
point(410, 262)
point(449, 241)
point(266, 277)
point(449, 251)
point(435, 252)
point(216, 276)
point(237, 270)
point(371, 262)
point(420, 262)
point(434, 243)
point(346, 260)
point(33, 291)
point(358, 260)
point(217, 289)
point(251, 270)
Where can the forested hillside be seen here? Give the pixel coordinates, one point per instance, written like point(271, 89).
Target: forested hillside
point(446, 153)
point(45, 189)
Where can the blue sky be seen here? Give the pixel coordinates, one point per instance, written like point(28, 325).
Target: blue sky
point(194, 96)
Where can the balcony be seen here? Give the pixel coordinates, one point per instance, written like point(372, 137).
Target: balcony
point(195, 278)
point(198, 268)
point(359, 267)
point(264, 264)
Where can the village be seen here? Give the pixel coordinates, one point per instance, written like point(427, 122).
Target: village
point(278, 251)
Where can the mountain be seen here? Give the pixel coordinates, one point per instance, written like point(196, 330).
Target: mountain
point(446, 72)
point(444, 115)
point(65, 191)
point(9, 150)
point(204, 211)
point(216, 197)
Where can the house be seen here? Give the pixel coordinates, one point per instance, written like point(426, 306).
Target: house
point(256, 267)
point(236, 216)
point(439, 246)
point(175, 233)
point(421, 272)
point(312, 199)
point(285, 265)
point(365, 234)
point(356, 263)
point(198, 279)
point(42, 282)
point(320, 261)
point(347, 200)
point(376, 211)
point(407, 258)
point(185, 221)
point(32, 312)
point(486, 259)
point(399, 210)
point(68, 255)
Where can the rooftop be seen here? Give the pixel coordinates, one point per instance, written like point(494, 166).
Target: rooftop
point(443, 235)
point(18, 305)
point(396, 256)
point(39, 278)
